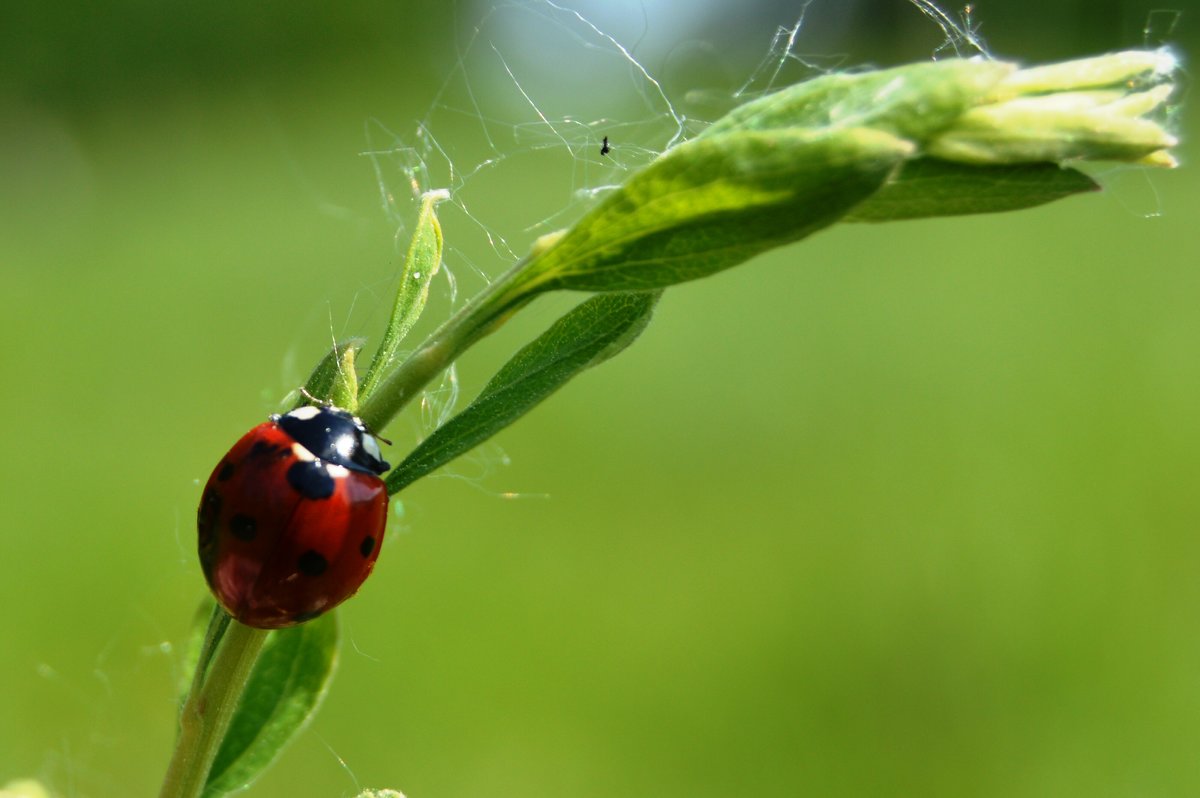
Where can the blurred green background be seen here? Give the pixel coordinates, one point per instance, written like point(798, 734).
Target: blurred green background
point(900, 510)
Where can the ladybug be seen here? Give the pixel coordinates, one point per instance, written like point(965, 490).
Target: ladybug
point(292, 518)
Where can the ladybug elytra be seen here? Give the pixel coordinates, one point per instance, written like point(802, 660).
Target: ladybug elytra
point(292, 518)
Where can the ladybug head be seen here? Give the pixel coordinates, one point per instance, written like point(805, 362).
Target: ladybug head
point(334, 436)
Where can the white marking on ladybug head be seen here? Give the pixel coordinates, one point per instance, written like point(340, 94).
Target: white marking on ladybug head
point(337, 471)
point(305, 413)
point(371, 446)
point(302, 453)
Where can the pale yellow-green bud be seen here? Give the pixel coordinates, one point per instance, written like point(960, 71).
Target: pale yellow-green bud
point(1095, 108)
point(1128, 69)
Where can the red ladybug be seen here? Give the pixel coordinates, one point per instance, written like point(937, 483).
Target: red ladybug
point(291, 520)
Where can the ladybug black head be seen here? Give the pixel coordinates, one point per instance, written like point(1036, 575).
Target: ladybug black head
point(334, 436)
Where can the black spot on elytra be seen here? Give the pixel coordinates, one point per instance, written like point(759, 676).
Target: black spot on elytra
point(311, 563)
point(206, 518)
point(264, 449)
point(367, 546)
point(208, 558)
point(226, 471)
point(311, 479)
point(243, 527)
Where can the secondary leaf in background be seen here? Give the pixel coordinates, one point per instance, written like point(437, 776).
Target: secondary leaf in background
point(593, 332)
point(283, 691)
point(422, 263)
point(930, 187)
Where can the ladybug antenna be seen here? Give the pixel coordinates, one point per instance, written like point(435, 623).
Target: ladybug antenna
point(371, 432)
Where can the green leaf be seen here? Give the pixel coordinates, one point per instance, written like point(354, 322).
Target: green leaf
point(932, 187)
point(593, 332)
point(423, 261)
point(793, 162)
point(714, 202)
point(380, 794)
point(334, 379)
point(208, 626)
point(914, 101)
point(284, 689)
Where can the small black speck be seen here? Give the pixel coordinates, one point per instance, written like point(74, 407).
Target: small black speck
point(311, 563)
point(243, 527)
point(604, 148)
point(367, 546)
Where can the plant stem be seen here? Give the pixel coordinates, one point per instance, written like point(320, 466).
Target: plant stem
point(230, 654)
point(486, 311)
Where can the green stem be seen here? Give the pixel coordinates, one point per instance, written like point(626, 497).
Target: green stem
point(230, 653)
point(484, 313)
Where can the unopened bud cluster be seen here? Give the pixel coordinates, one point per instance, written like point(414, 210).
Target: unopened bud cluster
point(1102, 108)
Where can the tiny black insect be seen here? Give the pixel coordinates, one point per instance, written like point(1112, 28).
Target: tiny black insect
point(604, 148)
